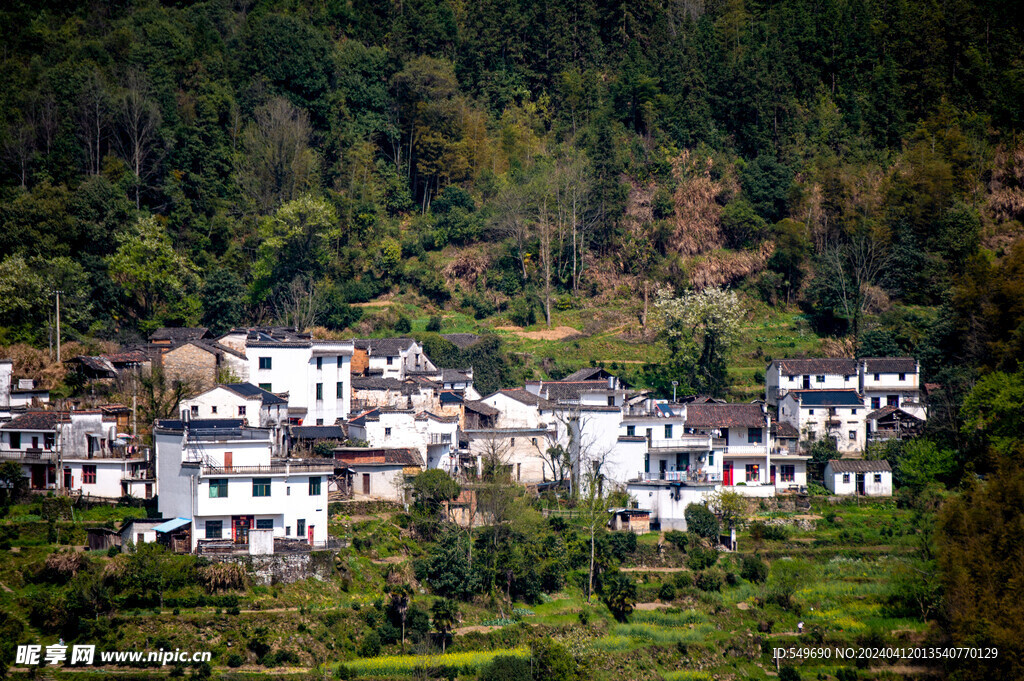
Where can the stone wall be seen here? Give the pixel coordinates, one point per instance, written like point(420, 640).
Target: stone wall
point(189, 363)
point(284, 568)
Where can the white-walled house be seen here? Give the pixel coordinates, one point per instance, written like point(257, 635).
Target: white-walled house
point(390, 357)
point(859, 477)
point(255, 406)
point(667, 500)
point(816, 373)
point(378, 472)
point(820, 414)
point(434, 437)
point(79, 451)
point(220, 475)
point(892, 382)
point(17, 395)
point(315, 374)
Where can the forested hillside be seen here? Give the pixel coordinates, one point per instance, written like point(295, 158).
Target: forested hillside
point(222, 163)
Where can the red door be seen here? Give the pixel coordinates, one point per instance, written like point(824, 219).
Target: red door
point(240, 525)
point(228, 460)
point(309, 533)
point(772, 469)
point(727, 473)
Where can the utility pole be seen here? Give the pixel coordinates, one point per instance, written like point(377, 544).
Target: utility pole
point(58, 292)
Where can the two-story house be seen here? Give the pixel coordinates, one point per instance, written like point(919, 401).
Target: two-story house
point(815, 373)
point(255, 406)
point(838, 415)
point(220, 475)
point(892, 382)
point(389, 357)
point(18, 395)
point(78, 451)
point(433, 436)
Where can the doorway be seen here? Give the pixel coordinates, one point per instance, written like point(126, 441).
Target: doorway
point(240, 525)
point(860, 483)
point(366, 483)
point(727, 473)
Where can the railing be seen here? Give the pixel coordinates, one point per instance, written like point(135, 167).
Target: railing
point(700, 442)
point(679, 476)
point(227, 547)
point(747, 450)
point(440, 438)
point(39, 454)
point(269, 470)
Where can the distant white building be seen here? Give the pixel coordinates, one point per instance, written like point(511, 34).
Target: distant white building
point(892, 382)
point(79, 451)
point(315, 374)
point(434, 437)
point(838, 415)
point(859, 477)
point(390, 358)
point(378, 472)
point(18, 395)
point(816, 373)
point(255, 406)
point(220, 476)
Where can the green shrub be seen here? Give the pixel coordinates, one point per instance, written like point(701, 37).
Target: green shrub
point(789, 674)
point(710, 580)
point(522, 312)
point(667, 592)
point(753, 569)
point(434, 324)
point(235, 660)
point(702, 521)
point(370, 646)
point(403, 325)
point(506, 668)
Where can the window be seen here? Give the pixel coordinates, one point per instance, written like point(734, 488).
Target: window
point(390, 360)
point(711, 458)
point(319, 422)
point(194, 410)
point(214, 529)
point(903, 377)
point(630, 431)
point(811, 412)
point(241, 410)
point(89, 475)
point(218, 488)
point(753, 472)
point(846, 478)
point(512, 441)
point(48, 440)
point(314, 486)
point(853, 436)
point(265, 363)
point(533, 441)
point(300, 527)
point(877, 376)
point(853, 411)
point(261, 487)
point(878, 478)
point(892, 400)
point(387, 432)
point(15, 440)
point(668, 432)
point(264, 523)
point(876, 402)
point(792, 379)
point(340, 390)
point(288, 530)
point(319, 363)
point(319, 392)
point(820, 378)
point(611, 400)
point(754, 435)
point(213, 410)
point(788, 473)
point(265, 386)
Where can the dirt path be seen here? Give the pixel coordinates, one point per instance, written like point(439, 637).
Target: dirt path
point(657, 605)
point(653, 569)
point(482, 628)
point(552, 334)
point(390, 560)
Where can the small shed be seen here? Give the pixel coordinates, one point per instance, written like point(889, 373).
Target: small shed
point(140, 530)
point(101, 538)
point(176, 534)
point(633, 520)
point(859, 477)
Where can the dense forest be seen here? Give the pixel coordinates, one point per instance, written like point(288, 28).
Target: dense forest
point(269, 161)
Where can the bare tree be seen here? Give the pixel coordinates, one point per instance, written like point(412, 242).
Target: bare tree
point(46, 118)
point(276, 162)
point(572, 188)
point(496, 493)
point(138, 118)
point(19, 146)
point(93, 119)
point(512, 220)
point(544, 230)
point(852, 268)
point(301, 304)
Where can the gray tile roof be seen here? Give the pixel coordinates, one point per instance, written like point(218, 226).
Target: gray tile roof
point(859, 466)
point(890, 365)
point(818, 365)
point(461, 340)
point(250, 390)
point(384, 347)
point(318, 432)
point(711, 415)
point(828, 398)
point(179, 334)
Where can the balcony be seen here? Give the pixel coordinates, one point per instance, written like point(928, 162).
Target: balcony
point(747, 450)
point(273, 469)
point(687, 442)
point(682, 477)
point(440, 439)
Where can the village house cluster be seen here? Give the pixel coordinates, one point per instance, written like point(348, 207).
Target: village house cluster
point(279, 423)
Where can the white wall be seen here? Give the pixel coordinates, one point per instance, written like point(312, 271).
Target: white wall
point(660, 499)
point(834, 483)
point(226, 403)
point(386, 481)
